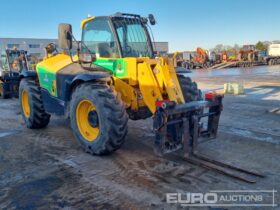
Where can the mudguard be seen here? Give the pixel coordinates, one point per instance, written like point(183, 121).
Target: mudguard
point(29, 73)
point(86, 77)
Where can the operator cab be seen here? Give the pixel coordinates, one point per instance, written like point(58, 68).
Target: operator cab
point(17, 60)
point(117, 36)
point(13, 62)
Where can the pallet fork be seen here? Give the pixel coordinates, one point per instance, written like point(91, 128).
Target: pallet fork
point(179, 127)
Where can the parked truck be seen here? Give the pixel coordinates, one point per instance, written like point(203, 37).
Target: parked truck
point(273, 54)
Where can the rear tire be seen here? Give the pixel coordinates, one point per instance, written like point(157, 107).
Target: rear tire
point(141, 114)
point(190, 93)
point(32, 107)
point(106, 131)
point(189, 89)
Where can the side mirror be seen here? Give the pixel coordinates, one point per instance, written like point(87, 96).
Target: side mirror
point(152, 19)
point(65, 36)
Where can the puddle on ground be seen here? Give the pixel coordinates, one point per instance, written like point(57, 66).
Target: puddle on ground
point(7, 133)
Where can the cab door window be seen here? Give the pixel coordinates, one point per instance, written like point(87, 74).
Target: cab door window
point(99, 39)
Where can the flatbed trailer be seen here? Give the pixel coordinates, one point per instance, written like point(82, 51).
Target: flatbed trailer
point(273, 60)
point(240, 64)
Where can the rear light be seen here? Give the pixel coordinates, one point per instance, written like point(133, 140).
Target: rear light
point(162, 104)
point(165, 104)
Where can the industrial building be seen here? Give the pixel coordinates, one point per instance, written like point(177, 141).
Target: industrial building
point(35, 47)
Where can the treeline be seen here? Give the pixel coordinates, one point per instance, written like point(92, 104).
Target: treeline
point(262, 46)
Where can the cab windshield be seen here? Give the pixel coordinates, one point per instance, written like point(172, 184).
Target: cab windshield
point(133, 37)
point(17, 60)
point(101, 38)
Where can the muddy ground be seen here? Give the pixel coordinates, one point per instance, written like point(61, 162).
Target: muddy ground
point(46, 169)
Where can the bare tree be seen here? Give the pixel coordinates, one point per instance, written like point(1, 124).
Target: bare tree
point(236, 47)
point(218, 48)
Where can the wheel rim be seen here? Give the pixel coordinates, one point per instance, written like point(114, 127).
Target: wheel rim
point(84, 112)
point(25, 103)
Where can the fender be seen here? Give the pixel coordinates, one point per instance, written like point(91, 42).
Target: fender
point(86, 77)
point(29, 73)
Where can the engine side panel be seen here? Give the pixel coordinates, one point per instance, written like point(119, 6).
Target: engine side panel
point(57, 72)
point(56, 77)
point(75, 73)
point(47, 70)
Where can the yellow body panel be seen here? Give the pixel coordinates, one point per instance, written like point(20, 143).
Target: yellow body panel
point(148, 86)
point(56, 63)
point(128, 93)
point(171, 81)
point(157, 81)
point(148, 80)
point(132, 74)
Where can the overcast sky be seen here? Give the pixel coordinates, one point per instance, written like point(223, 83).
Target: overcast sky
point(185, 24)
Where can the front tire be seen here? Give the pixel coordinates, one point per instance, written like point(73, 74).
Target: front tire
point(98, 118)
point(32, 107)
point(3, 95)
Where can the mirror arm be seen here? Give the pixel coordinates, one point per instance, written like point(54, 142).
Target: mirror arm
point(82, 43)
point(78, 47)
point(69, 51)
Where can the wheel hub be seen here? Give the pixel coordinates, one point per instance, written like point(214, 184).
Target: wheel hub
point(87, 120)
point(93, 119)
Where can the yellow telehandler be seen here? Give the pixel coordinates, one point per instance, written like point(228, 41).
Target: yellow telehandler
point(115, 76)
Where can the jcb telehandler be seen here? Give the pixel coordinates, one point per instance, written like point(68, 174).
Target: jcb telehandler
point(113, 77)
